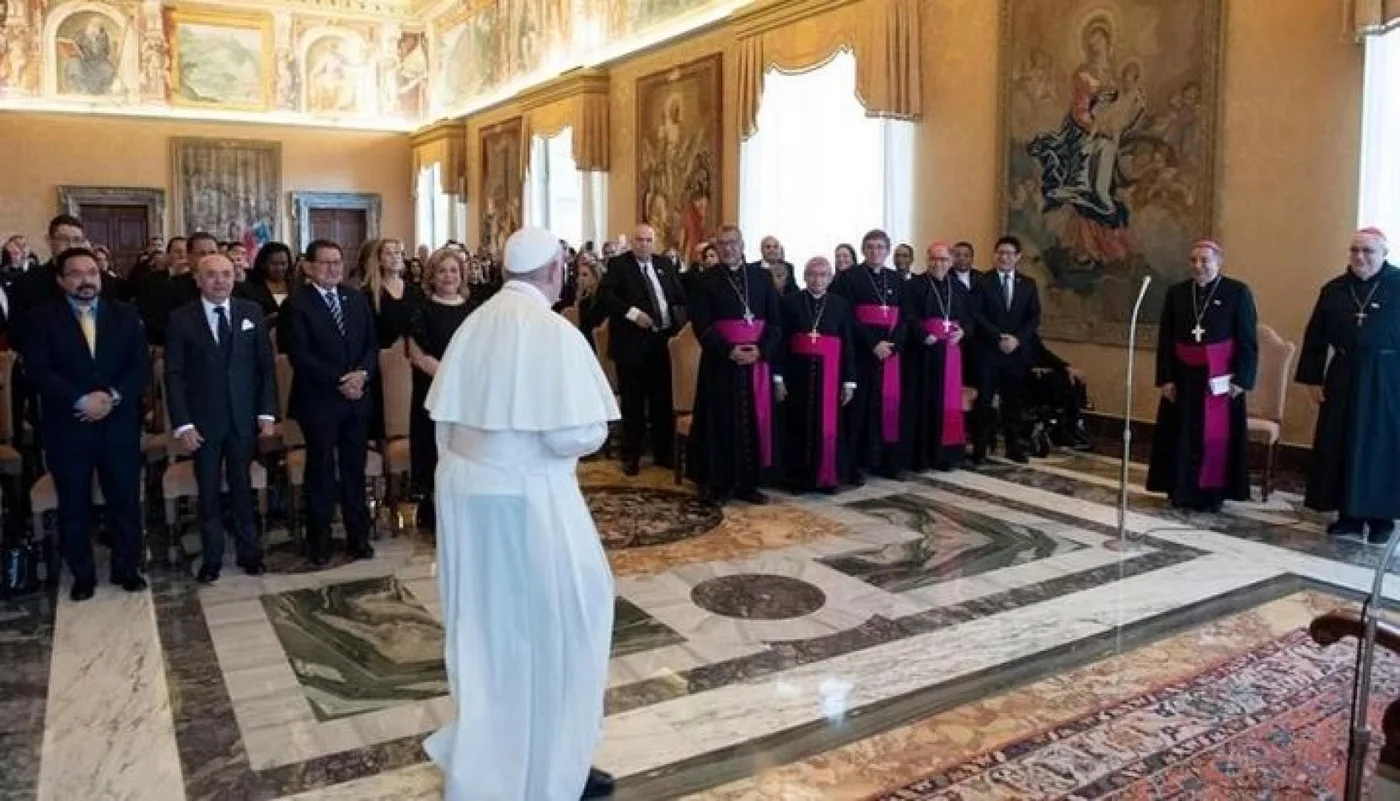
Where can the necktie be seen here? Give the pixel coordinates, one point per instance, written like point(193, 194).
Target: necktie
point(1007, 289)
point(334, 302)
point(225, 335)
point(653, 288)
point(88, 323)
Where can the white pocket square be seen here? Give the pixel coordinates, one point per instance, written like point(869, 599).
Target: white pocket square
point(247, 326)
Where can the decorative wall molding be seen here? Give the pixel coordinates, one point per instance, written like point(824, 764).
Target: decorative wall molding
point(71, 199)
point(303, 203)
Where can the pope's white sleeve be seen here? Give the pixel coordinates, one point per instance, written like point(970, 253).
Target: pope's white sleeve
point(442, 432)
point(576, 440)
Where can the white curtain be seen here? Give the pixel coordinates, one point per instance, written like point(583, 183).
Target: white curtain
point(595, 208)
point(819, 172)
point(432, 209)
point(555, 188)
point(1380, 136)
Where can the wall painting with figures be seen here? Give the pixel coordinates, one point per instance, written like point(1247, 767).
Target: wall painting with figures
point(1109, 113)
point(368, 67)
point(502, 183)
point(679, 142)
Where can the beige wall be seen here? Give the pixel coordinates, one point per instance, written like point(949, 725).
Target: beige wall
point(40, 152)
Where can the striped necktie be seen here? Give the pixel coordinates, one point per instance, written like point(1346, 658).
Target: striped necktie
point(333, 301)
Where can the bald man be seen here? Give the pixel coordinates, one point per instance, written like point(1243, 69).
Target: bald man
point(1207, 358)
point(1348, 363)
point(642, 298)
point(221, 391)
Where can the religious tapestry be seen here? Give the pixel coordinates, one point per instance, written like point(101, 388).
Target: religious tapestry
point(678, 147)
point(502, 184)
point(1109, 112)
point(228, 188)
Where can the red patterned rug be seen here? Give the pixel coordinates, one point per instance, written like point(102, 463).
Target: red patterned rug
point(1271, 723)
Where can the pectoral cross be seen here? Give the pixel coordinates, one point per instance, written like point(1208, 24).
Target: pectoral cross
point(814, 336)
point(748, 317)
point(1198, 332)
point(1360, 317)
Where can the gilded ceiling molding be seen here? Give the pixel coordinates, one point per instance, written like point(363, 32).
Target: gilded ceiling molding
point(443, 143)
point(579, 99)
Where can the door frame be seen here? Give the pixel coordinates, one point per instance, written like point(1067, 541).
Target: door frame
point(72, 198)
point(303, 203)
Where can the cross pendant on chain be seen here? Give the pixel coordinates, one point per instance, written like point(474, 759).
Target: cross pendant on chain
point(1360, 317)
point(748, 317)
point(814, 336)
point(1198, 332)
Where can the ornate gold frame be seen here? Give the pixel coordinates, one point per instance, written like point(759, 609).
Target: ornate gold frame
point(260, 22)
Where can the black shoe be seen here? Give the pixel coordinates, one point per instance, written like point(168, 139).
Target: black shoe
point(1378, 531)
point(357, 552)
point(979, 455)
point(319, 560)
point(132, 583)
point(1346, 527)
point(1018, 456)
point(857, 479)
point(752, 496)
point(599, 785)
point(631, 469)
point(207, 575)
point(83, 590)
point(253, 567)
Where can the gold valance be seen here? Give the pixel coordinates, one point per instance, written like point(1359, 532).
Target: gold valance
point(578, 101)
point(1371, 17)
point(443, 144)
point(800, 35)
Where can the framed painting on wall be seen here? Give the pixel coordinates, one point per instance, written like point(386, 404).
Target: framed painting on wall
point(1108, 152)
point(227, 187)
point(502, 184)
point(221, 61)
point(679, 140)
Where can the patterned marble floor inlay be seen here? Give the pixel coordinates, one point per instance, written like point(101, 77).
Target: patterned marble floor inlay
point(955, 543)
point(758, 597)
point(359, 646)
point(635, 632)
point(635, 517)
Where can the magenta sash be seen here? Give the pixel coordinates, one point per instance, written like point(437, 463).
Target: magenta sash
point(1215, 445)
point(738, 332)
point(954, 432)
point(886, 317)
point(827, 349)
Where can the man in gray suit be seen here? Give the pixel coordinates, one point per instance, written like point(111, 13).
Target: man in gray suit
point(221, 392)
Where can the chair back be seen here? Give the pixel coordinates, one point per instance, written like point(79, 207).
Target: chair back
point(600, 344)
point(284, 385)
point(1275, 372)
point(7, 396)
point(685, 369)
point(396, 376)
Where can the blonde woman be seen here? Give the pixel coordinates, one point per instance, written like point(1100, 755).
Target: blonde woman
point(391, 295)
point(431, 328)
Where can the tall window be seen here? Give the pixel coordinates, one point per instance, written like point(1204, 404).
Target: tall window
point(556, 187)
point(819, 172)
point(434, 208)
point(1380, 142)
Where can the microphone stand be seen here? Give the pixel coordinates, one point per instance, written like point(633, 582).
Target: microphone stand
point(1128, 412)
point(1360, 740)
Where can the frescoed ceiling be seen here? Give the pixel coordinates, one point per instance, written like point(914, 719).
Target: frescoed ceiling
point(381, 64)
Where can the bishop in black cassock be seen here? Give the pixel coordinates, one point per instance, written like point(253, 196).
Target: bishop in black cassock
point(1207, 358)
point(818, 378)
point(736, 317)
point(1357, 320)
point(876, 293)
point(939, 313)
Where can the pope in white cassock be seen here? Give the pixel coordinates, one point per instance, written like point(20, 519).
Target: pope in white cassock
point(527, 595)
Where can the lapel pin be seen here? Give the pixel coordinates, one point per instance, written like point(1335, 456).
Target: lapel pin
point(1375, 305)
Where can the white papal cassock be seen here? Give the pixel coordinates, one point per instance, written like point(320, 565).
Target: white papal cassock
point(527, 595)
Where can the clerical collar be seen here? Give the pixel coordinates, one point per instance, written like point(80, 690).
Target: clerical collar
point(816, 295)
point(734, 268)
point(1208, 283)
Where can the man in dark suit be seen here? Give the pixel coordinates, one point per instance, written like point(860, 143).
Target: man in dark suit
point(1008, 328)
point(221, 391)
point(642, 298)
point(334, 351)
point(87, 359)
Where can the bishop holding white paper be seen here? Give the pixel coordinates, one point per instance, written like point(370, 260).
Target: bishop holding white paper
point(527, 596)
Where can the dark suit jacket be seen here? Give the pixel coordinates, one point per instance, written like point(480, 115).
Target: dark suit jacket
point(1022, 320)
point(623, 287)
point(217, 394)
point(62, 369)
point(257, 292)
point(320, 355)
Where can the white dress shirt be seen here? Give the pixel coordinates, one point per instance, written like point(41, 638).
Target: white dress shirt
point(649, 273)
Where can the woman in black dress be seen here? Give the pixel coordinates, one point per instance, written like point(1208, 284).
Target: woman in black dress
point(589, 315)
point(431, 329)
point(394, 301)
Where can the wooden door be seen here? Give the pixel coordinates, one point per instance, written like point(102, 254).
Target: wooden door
point(122, 228)
point(345, 227)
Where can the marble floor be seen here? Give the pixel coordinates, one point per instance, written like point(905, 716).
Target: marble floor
point(818, 647)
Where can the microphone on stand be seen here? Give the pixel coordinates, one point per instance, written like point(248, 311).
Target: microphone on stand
point(1360, 741)
point(1128, 413)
